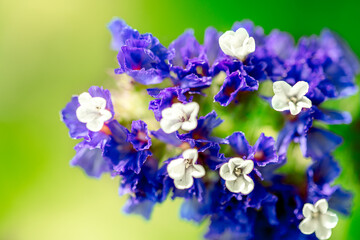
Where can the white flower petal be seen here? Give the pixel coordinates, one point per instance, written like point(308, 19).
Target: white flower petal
point(241, 35)
point(226, 174)
point(84, 98)
point(105, 115)
point(189, 125)
point(176, 168)
point(225, 42)
point(280, 102)
point(322, 233)
point(85, 114)
point(235, 186)
point(237, 44)
point(251, 45)
point(98, 102)
point(190, 154)
point(304, 102)
point(248, 166)
point(308, 210)
point(185, 182)
point(294, 109)
point(170, 125)
point(235, 162)
point(322, 205)
point(172, 113)
point(95, 125)
point(329, 219)
point(249, 185)
point(281, 88)
point(299, 89)
point(308, 225)
point(197, 171)
point(191, 109)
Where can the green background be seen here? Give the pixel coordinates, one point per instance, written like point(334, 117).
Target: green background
point(50, 50)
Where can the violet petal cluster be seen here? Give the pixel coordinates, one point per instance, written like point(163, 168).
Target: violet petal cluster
point(228, 180)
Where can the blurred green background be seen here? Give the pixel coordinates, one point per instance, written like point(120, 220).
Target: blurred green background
point(50, 50)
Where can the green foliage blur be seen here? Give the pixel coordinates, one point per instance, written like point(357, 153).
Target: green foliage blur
point(52, 49)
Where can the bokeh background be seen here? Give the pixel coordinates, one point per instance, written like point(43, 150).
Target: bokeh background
point(51, 49)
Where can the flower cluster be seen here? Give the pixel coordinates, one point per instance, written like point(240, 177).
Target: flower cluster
point(181, 147)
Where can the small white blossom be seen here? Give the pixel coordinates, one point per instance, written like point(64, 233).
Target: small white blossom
point(318, 219)
point(290, 98)
point(184, 169)
point(237, 44)
point(235, 173)
point(178, 116)
point(92, 111)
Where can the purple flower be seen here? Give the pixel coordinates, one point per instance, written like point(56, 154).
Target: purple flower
point(262, 153)
point(201, 137)
point(234, 83)
point(189, 65)
point(321, 174)
point(314, 142)
point(91, 160)
point(78, 129)
point(165, 98)
point(197, 190)
point(143, 187)
point(122, 152)
point(141, 56)
point(139, 137)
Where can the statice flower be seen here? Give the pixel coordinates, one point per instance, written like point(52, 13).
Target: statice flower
point(184, 169)
point(190, 142)
point(318, 219)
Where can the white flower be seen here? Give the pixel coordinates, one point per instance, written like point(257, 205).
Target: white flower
point(237, 44)
point(235, 173)
point(290, 98)
point(179, 116)
point(318, 219)
point(182, 170)
point(92, 111)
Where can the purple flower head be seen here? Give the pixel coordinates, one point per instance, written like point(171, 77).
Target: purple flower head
point(141, 56)
point(211, 45)
point(165, 98)
point(319, 142)
point(121, 151)
point(274, 50)
point(262, 153)
point(121, 32)
point(79, 129)
point(229, 217)
point(189, 65)
point(201, 137)
point(320, 175)
point(91, 160)
point(327, 64)
point(143, 187)
point(185, 47)
point(139, 137)
point(235, 83)
point(197, 190)
point(168, 138)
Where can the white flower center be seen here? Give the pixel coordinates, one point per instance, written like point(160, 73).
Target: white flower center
point(290, 97)
point(92, 111)
point(178, 116)
point(238, 171)
point(237, 44)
